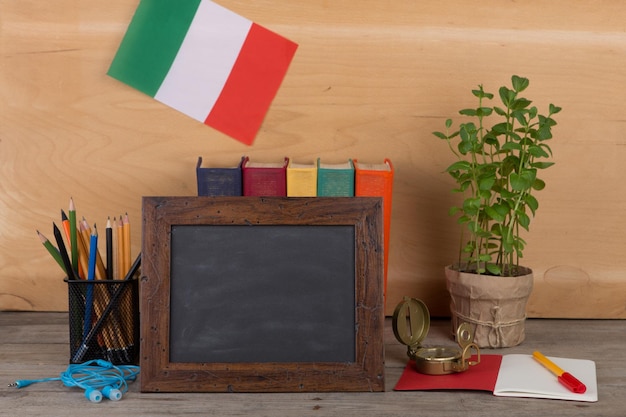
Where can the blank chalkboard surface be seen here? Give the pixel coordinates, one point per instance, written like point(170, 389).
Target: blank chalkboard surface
point(262, 294)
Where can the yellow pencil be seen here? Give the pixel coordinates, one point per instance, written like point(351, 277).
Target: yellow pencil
point(565, 378)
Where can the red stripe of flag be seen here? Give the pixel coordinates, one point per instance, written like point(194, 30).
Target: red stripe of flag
point(252, 84)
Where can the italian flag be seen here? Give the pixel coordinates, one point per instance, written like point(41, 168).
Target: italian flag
point(204, 61)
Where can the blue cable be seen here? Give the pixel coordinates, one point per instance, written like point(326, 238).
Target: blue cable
point(97, 377)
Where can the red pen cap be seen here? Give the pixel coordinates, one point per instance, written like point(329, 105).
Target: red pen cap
point(572, 383)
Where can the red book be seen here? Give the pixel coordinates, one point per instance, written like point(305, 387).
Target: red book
point(376, 180)
point(264, 179)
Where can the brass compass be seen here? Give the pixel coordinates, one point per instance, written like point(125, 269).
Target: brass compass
point(411, 322)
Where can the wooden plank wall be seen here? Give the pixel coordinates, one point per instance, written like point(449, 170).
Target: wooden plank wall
point(370, 79)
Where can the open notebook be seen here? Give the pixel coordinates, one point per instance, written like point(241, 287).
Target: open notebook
point(513, 375)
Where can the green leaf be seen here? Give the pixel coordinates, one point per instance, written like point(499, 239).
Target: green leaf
point(440, 135)
point(493, 269)
point(494, 214)
point(522, 181)
point(539, 184)
point(484, 111)
point(485, 183)
point(544, 133)
point(468, 112)
point(464, 219)
point(541, 165)
point(523, 220)
point(511, 146)
point(480, 93)
point(499, 111)
point(538, 152)
point(507, 96)
point(509, 164)
point(547, 148)
point(471, 206)
point(485, 257)
point(500, 128)
point(459, 166)
point(532, 203)
point(520, 116)
point(547, 121)
point(520, 103)
point(554, 109)
point(448, 123)
point(519, 83)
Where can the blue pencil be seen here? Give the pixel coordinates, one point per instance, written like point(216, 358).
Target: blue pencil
point(93, 249)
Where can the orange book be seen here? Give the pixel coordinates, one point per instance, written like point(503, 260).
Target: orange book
point(376, 180)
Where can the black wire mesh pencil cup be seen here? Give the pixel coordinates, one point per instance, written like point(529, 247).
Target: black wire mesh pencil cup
point(104, 320)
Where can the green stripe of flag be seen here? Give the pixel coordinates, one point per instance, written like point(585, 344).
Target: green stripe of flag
point(151, 43)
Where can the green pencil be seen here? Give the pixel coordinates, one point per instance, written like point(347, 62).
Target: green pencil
point(73, 235)
point(53, 251)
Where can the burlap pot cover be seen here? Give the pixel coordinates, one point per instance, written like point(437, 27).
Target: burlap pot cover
point(495, 306)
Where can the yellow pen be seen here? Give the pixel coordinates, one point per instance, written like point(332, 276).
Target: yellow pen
point(565, 378)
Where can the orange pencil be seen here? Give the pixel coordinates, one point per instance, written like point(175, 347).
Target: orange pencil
point(119, 239)
point(83, 255)
point(126, 230)
point(85, 230)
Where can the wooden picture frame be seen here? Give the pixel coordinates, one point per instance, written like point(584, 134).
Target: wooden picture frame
point(186, 292)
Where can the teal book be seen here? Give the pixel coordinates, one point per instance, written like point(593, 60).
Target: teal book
point(335, 180)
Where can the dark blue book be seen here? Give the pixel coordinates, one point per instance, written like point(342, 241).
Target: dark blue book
point(219, 181)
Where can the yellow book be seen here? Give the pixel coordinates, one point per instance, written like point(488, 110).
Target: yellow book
point(301, 179)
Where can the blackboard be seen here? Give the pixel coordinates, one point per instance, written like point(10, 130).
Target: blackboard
point(262, 294)
point(253, 294)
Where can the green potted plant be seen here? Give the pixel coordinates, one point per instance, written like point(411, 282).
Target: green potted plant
point(500, 151)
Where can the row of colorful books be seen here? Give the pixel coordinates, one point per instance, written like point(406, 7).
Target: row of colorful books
point(287, 178)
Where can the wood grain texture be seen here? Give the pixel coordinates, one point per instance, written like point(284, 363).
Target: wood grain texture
point(369, 80)
point(35, 345)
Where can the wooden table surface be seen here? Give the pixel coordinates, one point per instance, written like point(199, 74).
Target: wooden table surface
point(35, 345)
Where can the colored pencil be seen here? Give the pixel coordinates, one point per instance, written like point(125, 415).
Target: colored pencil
point(91, 275)
point(109, 249)
point(71, 274)
point(53, 251)
point(65, 222)
point(73, 235)
point(83, 255)
point(126, 231)
point(119, 240)
point(85, 230)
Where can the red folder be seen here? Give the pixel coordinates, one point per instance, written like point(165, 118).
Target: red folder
point(481, 377)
